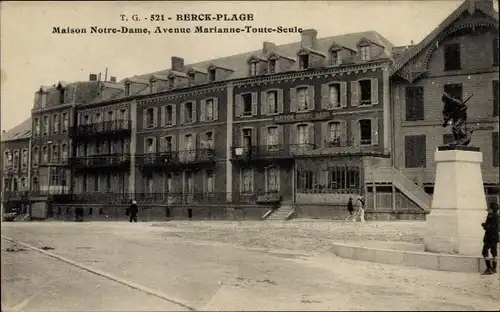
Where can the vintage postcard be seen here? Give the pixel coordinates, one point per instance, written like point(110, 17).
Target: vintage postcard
point(249, 155)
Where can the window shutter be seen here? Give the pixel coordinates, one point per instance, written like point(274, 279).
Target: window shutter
point(354, 93)
point(263, 136)
point(216, 108)
point(174, 143)
point(254, 103)
point(343, 94)
point(181, 141)
point(311, 105)
point(266, 179)
point(343, 131)
point(203, 107)
point(280, 135)
point(278, 178)
point(253, 180)
point(144, 118)
point(155, 117)
point(195, 104)
point(409, 152)
point(239, 139)
point(293, 100)
point(324, 96)
point(375, 133)
point(495, 97)
point(374, 93)
point(162, 115)
point(182, 119)
point(254, 137)
point(410, 103)
point(195, 146)
point(324, 134)
point(494, 143)
point(146, 146)
point(293, 134)
point(174, 114)
point(280, 101)
point(311, 134)
point(355, 132)
point(263, 103)
point(162, 144)
point(238, 105)
point(155, 148)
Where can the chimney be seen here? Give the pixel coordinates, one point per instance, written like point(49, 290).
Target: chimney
point(177, 63)
point(112, 79)
point(268, 47)
point(411, 42)
point(309, 38)
point(483, 4)
point(92, 77)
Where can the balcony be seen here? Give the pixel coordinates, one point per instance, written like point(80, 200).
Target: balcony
point(115, 128)
point(115, 161)
point(267, 152)
point(175, 159)
point(15, 195)
point(197, 156)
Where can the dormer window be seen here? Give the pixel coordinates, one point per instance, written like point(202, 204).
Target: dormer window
point(44, 100)
point(171, 82)
point(211, 75)
point(191, 78)
point(152, 86)
point(127, 89)
point(253, 69)
point(334, 57)
point(364, 52)
point(304, 61)
point(272, 66)
point(61, 96)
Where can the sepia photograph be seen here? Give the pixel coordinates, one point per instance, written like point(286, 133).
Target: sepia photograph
point(250, 155)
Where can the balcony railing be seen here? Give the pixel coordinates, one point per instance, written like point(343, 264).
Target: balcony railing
point(15, 195)
point(100, 161)
point(175, 158)
point(271, 151)
point(114, 127)
point(197, 155)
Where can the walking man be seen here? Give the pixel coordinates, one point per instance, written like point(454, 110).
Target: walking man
point(133, 211)
point(491, 239)
point(360, 203)
point(350, 209)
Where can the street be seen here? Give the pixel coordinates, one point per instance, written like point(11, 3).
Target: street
point(221, 266)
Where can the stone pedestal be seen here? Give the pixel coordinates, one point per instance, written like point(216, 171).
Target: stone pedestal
point(459, 203)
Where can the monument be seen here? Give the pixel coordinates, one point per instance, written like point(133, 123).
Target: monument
point(459, 202)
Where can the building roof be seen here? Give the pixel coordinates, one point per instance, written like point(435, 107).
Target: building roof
point(485, 6)
point(19, 132)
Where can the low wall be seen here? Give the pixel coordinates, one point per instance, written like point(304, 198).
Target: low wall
point(339, 212)
point(158, 213)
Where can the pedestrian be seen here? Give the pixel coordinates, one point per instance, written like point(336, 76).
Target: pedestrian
point(491, 239)
point(360, 203)
point(350, 209)
point(133, 211)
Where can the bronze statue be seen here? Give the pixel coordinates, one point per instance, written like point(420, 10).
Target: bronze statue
point(455, 113)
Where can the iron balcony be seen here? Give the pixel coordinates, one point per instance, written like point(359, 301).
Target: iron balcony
point(115, 128)
point(100, 161)
point(282, 151)
point(175, 158)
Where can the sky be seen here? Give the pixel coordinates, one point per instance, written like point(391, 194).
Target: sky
point(32, 56)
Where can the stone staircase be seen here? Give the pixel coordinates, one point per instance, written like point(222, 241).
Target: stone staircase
point(281, 214)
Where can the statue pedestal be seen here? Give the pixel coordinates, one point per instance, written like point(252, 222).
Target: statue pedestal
point(459, 203)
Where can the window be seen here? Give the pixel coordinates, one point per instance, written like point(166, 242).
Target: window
point(123, 114)
point(14, 184)
point(304, 61)
point(365, 87)
point(86, 120)
point(96, 183)
point(127, 88)
point(452, 56)
point(55, 154)
point(65, 118)
point(108, 183)
point(272, 66)
point(334, 133)
point(305, 180)
point(272, 102)
point(191, 78)
point(45, 125)
point(364, 53)
point(36, 156)
point(253, 69)
point(414, 103)
point(495, 51)
point(247, 180)
point(23, 184)
point(150, 146)
point(64, 152)
point(273, 179)
point(494, 136)
point(168, 144)
point(365, 126)
point(454, 90)
point(415, 150)
point(98, 118)
point(302, 99)
point(247, 104)
point(272, 136)
point(152, 86)
point(188, 142)
point(35, 183)
point(334, 95)
point(302, 134)
point(209, 181)
point(16, 159)
point(168, 183)
point(189, 112)
point(24, 158)
point(208, 140)
point(54, 176)
point(209, 110)
point(37, 127)
point(150, 113)
point(61, 95)
point(211, 75)
point(188, 182)
point(55, 123)
point(171, 82)
point(496, 102)
point(334, 57)
point(247, 138)
point(168, 115)
point(6, 184)
point(44, 100)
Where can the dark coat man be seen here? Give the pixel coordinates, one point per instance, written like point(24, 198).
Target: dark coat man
point(132, 210)
point(491, 239)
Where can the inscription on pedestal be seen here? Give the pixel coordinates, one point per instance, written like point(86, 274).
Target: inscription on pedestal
point(458, 148)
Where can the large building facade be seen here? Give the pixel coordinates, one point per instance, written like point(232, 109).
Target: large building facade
point(302, 126)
